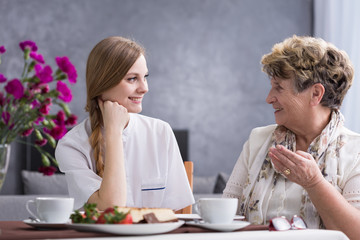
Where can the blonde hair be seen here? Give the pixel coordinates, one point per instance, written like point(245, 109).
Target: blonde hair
point(311, 60)
point(107, 65)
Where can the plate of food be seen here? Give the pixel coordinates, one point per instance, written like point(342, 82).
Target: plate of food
point(125, 221)
point(126, 229)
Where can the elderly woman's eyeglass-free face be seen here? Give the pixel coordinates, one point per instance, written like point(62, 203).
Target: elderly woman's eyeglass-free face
point(290, 108)
point(282, 224)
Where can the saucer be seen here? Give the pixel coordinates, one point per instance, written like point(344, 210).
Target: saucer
point(235, 225)
point(45, 225)
point(189, 217)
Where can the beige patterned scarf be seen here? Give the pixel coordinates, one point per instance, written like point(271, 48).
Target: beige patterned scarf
point(262, 176)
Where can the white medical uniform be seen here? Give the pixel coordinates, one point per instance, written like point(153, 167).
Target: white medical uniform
point(154, 168)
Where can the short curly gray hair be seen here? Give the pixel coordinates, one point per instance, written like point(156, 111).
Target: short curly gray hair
point(311, 60)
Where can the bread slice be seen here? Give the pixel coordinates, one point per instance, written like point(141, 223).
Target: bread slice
point(161, 214)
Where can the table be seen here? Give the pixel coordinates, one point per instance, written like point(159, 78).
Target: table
point(313, 234)
point(20, 230)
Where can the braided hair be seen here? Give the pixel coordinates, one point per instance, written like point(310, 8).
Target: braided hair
point(107, 64)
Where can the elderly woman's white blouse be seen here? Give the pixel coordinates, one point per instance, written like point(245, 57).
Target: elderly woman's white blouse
point(255, 149)
point(154, 168)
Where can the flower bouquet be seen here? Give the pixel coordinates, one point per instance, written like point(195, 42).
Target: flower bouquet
point(25, 103)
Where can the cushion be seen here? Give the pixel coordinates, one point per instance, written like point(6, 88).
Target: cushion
point(37, 183)
point(204, 184)
point(221, 181)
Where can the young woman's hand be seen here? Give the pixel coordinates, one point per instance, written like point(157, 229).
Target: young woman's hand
point(115, 116)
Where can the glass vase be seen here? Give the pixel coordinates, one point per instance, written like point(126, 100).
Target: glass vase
point(4, 162)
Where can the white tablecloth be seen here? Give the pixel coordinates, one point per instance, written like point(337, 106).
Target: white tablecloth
point(309, 234)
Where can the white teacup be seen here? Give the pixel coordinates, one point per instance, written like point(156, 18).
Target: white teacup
point(217, 210)
point(52, 209)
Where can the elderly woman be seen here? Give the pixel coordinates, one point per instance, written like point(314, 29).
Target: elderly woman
point(308, 163)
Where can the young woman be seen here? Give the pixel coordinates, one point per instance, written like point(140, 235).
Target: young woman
point(117, 157)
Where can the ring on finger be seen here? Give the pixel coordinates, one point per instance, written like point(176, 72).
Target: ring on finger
point(287, 171)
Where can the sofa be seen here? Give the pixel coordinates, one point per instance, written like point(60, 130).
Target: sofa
point(33, 184)
point(12, 207)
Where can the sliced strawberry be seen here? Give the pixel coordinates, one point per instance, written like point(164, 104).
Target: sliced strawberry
point(101, 219)
point(127, 220)
point(92, 215)
point(105, 215)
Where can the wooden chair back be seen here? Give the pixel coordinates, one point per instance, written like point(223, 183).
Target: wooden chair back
point(189, 168)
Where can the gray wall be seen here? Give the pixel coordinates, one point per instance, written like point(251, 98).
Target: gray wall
point(203, 57)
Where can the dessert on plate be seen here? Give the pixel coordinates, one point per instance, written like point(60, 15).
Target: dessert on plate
point(123, 215)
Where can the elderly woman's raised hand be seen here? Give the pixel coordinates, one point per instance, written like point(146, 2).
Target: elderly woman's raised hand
point(299, 167)
point(115, 116)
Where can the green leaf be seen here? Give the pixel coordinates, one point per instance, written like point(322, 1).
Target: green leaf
point(61, 76)
point(31, 66)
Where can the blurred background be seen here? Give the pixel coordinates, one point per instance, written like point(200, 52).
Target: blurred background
point(203, 58)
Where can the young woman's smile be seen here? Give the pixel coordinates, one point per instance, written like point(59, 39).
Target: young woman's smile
point(131, 90)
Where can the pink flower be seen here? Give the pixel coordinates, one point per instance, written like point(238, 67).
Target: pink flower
point(2, 78)
point(65, 92)
point(67, 67)
point(2, 49)
point(44, 74)
point(56, 132)
point(37, 57)
point(72, 76)
point(60, 117)
point(71, 120)
point(2, 99)
point(39, 119)
point(41, 142)
point(34, 104)
point(15, 88)
point(6, 117)
point(47, 101)
point(45, 89)
point(27, 132)
point(28, 44)
point(25, 102)
point(45, 109)
point(48, 171)
point(34, 87)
